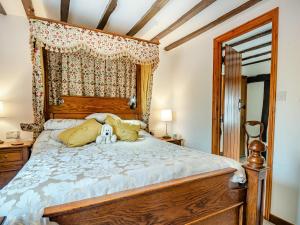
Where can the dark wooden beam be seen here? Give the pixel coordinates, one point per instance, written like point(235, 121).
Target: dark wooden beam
point(111, 6)
point(2, 10)
point(28, 7)
point(258, 78)
point(255, 62)
point(154, 9)
point(212, 24)
point(64, 10)
point(256, 47)
point(256, 36)
point(256, 55)
point(186, 17)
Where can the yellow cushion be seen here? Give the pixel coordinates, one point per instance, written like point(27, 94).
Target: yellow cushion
point(123, 131)
point(81, 135)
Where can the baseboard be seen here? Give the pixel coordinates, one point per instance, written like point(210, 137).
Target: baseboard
point(278, 221)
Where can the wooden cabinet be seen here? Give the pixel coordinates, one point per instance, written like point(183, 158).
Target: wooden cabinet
point(12, 159)
point(172, 140)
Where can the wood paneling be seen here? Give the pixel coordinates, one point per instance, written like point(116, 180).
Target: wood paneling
point(2, 10)
point(96, 30)
point(258, 61)
point(28, 7)
point(216, 22)
point(64, 10)
point(186, 17)
point(268, 17)
point(200, 199)
point(108, 11)
point(232, 120)
point(154, 9)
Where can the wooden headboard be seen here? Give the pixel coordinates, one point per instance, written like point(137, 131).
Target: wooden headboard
point(78, 107)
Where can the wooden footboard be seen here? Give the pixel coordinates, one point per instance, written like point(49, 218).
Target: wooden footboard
point(208, 199)
point(201, 199)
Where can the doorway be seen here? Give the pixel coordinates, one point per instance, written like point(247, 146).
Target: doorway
point(244, 91)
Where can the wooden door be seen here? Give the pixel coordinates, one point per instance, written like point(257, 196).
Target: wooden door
point(243, 114)
point(232, 120)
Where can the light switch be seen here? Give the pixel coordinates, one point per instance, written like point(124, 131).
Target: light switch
point(281, 96)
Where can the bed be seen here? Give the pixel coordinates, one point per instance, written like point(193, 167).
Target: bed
point(146, 182)
point(56, 174)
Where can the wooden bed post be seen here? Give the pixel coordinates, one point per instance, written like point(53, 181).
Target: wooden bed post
point(256, 176)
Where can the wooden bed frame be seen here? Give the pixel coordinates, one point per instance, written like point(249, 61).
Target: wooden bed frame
point(208, 198)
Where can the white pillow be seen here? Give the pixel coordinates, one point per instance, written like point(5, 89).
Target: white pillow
point(100, 117)
point(136, 122)
point(62, 124)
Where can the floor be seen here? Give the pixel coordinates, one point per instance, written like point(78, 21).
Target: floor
point(268, 223)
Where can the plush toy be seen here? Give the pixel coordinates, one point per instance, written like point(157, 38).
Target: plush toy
point(106, 136)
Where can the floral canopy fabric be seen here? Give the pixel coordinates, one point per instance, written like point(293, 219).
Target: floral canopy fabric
point(66, 40)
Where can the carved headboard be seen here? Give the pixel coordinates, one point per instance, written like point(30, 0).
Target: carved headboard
point(78, 107)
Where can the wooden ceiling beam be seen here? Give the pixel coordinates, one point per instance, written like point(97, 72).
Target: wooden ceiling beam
point(154, 9)
point(64, 10)
point(256, 36)
point(28, 7)
point(2, 10)
point(111, 6)
point(257, 55)
point(186, 17)
point(255, 62)
point(256, 47)
point(212, 24)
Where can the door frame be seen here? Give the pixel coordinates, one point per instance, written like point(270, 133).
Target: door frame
point(271, 16)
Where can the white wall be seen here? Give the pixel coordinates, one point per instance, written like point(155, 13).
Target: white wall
point(15, 74)
point(192, 69)
point(255, 97)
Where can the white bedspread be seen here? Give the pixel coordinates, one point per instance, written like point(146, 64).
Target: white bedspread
point(56, 174)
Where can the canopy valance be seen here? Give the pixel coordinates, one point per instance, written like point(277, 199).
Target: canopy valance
point(85, 59)
point(64, 38)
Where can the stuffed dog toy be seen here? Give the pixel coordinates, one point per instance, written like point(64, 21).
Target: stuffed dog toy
point(106, 136)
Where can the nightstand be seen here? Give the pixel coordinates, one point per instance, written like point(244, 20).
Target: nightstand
point(12, 159)
point(172, 140)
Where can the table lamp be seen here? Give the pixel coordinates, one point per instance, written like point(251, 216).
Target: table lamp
point(1, 115)
point(166, 116)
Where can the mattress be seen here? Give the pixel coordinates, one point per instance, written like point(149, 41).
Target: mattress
point(56, 174)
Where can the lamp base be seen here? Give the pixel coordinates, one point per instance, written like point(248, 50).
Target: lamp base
point(166, 137)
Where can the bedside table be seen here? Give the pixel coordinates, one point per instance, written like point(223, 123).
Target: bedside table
point(172, 140)
point(12, 159)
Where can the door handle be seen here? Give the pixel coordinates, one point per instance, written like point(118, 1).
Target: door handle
point(241, 105)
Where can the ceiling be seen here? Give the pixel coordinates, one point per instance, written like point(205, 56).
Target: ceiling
point(253, 43)
point(126, 14)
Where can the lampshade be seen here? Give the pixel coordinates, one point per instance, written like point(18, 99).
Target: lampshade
point(1, 109)
point(166, 115)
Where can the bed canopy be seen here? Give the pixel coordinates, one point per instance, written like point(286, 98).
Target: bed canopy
point(62, 42)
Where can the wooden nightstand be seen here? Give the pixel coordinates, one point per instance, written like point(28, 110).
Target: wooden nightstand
point(172, 140)
point(12, 159)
